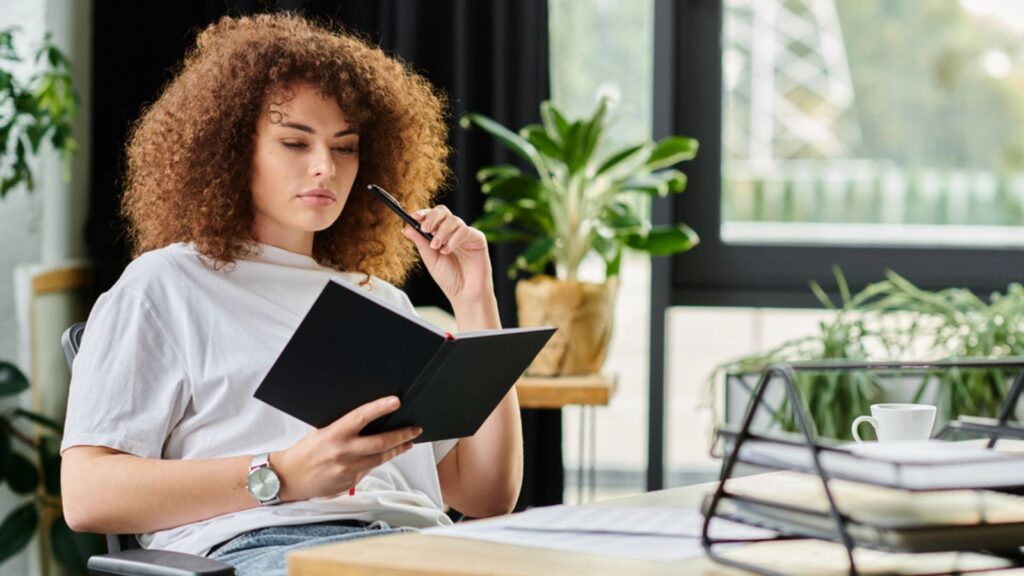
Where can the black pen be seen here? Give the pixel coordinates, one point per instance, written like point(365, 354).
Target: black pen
point(389, 201)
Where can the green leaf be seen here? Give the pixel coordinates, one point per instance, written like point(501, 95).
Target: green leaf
point(675, 179)
point(506, 235)
point(594, 130)
point(523, 213)
point(664, 241)
point(536, 135)
point(508, 138)
point(73, 549)
point(844, 288)
point(620, 156)
point(536, 255)
point(621, 216)
point(672, 150)
point(35, 134)
point(17, 529)
point(22, 476)
point(554, 122)
point(821, 295)
point(6, 450)
point(49, 460)
point(648, 184)
point(39, 419)
point(493, 219)
point(610, 250)
point(574, 144)
point(12, 380)
point(496, 227)
point(499, 171)
point(514, 188)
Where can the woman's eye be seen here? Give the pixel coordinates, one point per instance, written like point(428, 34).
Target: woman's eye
point(345, 150)
point(294, 145)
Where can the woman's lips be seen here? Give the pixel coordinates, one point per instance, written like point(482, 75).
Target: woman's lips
point(317, 200)
point(318, 197)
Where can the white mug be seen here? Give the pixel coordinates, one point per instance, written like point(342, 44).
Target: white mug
point(898, 422)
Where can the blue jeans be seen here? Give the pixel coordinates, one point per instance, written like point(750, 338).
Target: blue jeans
point(263, 552)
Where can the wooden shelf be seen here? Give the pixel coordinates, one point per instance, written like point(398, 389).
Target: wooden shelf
point(559, 391)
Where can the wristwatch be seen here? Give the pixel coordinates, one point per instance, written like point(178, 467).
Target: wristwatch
point(263, 483)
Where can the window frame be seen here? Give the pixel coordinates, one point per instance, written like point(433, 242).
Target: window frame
point(777, 274)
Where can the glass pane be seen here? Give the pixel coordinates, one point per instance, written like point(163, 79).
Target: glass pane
point(871, 122)
point(606, 47)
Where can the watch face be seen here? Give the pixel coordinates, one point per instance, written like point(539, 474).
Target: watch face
point(263, 484)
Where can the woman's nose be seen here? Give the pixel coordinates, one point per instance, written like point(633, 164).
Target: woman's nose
point(323, 163)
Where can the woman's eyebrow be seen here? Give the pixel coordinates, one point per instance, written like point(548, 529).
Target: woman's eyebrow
point(310, 130)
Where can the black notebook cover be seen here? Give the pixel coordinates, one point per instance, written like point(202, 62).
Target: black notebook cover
point(353, 347)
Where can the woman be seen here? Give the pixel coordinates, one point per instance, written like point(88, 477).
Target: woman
point(245, 194)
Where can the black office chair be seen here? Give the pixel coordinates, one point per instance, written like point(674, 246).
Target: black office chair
point(126, 557)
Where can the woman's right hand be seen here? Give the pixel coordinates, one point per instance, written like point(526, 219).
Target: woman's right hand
point(330, 460)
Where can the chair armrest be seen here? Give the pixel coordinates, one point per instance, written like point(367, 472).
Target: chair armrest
point(156, 563)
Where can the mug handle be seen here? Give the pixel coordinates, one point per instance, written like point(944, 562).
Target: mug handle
point(857, 422)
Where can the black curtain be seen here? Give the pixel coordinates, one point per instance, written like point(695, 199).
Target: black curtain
point(487, 56)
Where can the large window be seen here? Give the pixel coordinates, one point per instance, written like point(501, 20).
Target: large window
point(865, 133)
point(869, 122)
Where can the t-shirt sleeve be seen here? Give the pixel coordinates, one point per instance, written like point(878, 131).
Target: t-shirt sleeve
point(129, 384)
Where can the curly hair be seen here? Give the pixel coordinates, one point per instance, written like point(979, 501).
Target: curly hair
point(190, 153)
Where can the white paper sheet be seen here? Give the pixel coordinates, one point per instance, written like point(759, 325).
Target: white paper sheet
point(660, 534)
point(680, 522)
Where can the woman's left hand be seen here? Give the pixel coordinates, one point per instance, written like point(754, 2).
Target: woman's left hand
point(457, 258)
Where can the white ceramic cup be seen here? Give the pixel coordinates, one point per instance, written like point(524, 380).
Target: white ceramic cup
point(898, 422)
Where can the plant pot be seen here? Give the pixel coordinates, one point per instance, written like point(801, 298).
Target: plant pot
point(581, 311)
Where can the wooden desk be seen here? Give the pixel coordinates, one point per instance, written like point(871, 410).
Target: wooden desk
point(422, 554)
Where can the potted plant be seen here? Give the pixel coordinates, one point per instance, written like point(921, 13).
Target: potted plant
point(33, 111)
point(889, 320)
point(576, 198)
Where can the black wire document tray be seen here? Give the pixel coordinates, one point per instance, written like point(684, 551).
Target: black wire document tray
point(900, 497)
point(882, 518)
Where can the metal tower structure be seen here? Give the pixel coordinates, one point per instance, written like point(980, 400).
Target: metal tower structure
point(787, 83)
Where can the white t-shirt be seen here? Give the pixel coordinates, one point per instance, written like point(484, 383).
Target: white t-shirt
point(169, 362)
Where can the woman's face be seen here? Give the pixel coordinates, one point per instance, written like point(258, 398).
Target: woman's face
point(305, 160)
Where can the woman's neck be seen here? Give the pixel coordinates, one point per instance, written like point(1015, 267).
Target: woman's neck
point(299, 242)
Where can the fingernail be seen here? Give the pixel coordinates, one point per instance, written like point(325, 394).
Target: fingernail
point(392, 402)
point(417, 430)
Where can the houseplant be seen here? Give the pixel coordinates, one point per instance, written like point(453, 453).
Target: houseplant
point(576, 198)
point(30, 467)
point(893, 319)
point(33, 111)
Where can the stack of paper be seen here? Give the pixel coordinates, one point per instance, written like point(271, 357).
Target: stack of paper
point(910, 465)
point(639, 533)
